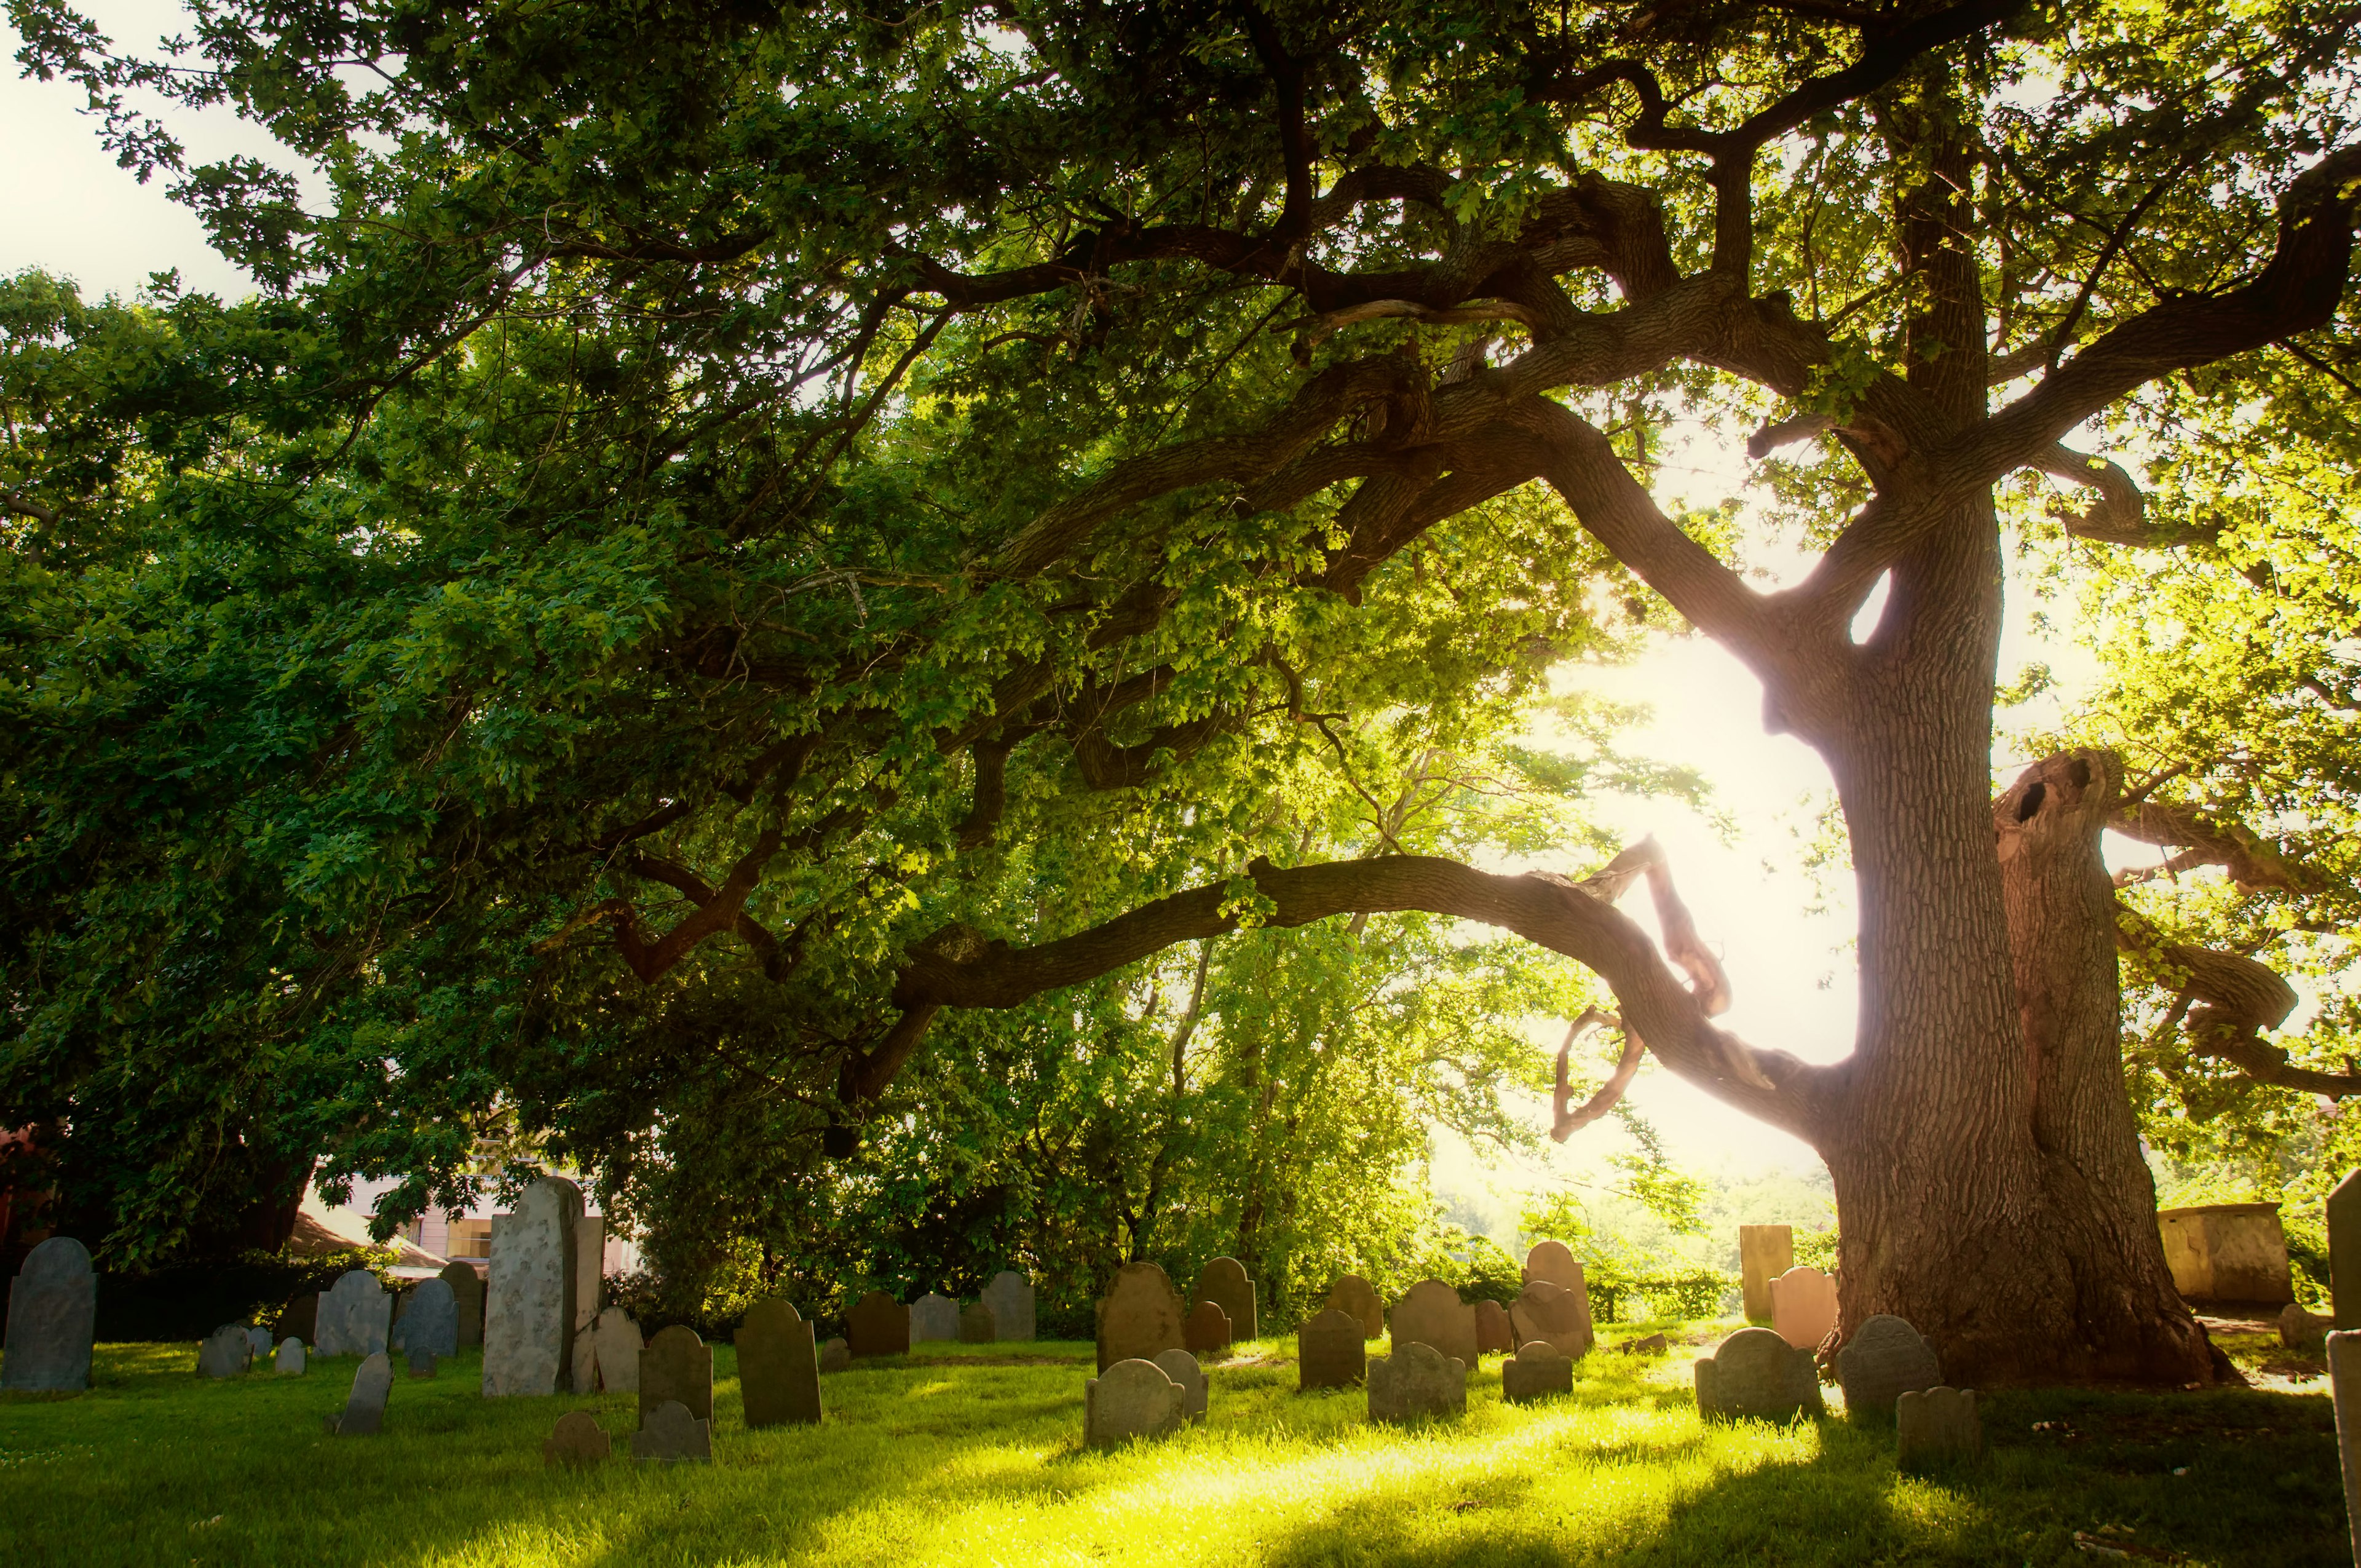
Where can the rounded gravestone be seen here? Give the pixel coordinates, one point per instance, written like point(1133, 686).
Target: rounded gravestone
point(1556, 1262)
point(1885, 1359)
point(1553, 1314)
point(1182, 1368)
point(835, 1355)
point(933, 1316)
point(1332, 1350)
point(354, 1315)
point(431, 1325)
point(226, 1354)
point(52, 1318)
point(1354, 1295)
point(878, 1325)
point(529, 1302)
point(1494, 1332)
point(1802, 1307)
point(1755, 1373)
point(1206, 1329)
point(617, 1337)
point(1224, 1283)
point(1140, 1316)
point(1133, 1398)
point(1537, 1371)
point(467, 1300)
point(1416, 1380)
point(778, 1370)
point(977, 1325)
point(1010, 1296)
point(1433, 1314)
point(289, 1362)
point(676, 1367)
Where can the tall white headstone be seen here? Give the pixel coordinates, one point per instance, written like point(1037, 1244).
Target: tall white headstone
point(529, 1301)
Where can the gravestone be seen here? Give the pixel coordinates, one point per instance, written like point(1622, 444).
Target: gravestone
point(422, 1364)
point(1416, 1380)
point(1885, 1359)
point(2228, 1255)
point(578, 1441)
point(1140, 1316)
point(2344, 1251)
point(878, 1325)
point(432, 1323)
point(1133, 1398)
point(1433, 1314)
point(226, 1354)
point(590, 1295)
point(1182, 1368)
point(1556, 1262)
point(1553, 1314)
point(1494, 1332)
point(676, 1367)
point(1935, 1427)
point(2300, 1329)
point(1224, 1282)
point(619, 1352)
point(2345, 1388)
point(529, 1303)
point(933, 1316)
point(1206, 1329)
point(289, 1362)
point(355, 1314)
point(467, 1299)
point(1756, 1373)
point(1538, 1370)
point(1356, 1296)
point(1010, 1296)
point(1802, 1307)
point(1655, 1344)
point(299, 1318)
point(977, 1325)
point(835, 1355)
point(257, 1343)
point(1764, 1253)
point(778, 1372)
point(670, 1435)
point(1331, 1351)
point(365, 1410)
point(52, 1319)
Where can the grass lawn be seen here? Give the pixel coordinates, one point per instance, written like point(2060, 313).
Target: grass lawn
point(970, 1455)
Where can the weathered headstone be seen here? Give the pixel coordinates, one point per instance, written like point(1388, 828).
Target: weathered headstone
point(1538, 1370)
point(578, 1441)
point(2344, 1386)
point(1010, 1296)
point(676, 1367)
point(1802, 1307)
point(2228, 1255)
point(977, 1325)
point(2300, 1329)
point(878, 1325)
point(619, 1352)
point(1332, 1350)
point(226, 1354)
point(1937, 1426)
point(1416, 1380)
point(1206, 1329)
point(467, 1298)
point(1224, 1283)
point(364, 1413)
point(528, 1307)
point(1433, 1314)
point(1133, 1398)
point(670, 1435)
point(1764, 1253)
point(933, 1316)
point(289, 1362)
point(257, 1343)
point(354, 1315)
point(432, 1323)
point(1359, 1299)
point(1494, 1331)
point(422, 1364)
point(2344, 1251)
point(1182, 1368)
point(1553, 1314)
point(1556, 1262)
point(835, 1355)
point(299, 1318)
point(590, 1295)
point(1756, 1373)
point(1885, 1359)
point(778, 1372)
point(52, 1318)
point(1140, 1315)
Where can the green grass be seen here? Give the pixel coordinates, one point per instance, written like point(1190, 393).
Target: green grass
point(967, 1456)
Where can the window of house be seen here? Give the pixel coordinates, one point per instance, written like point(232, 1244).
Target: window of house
point(470, 1238)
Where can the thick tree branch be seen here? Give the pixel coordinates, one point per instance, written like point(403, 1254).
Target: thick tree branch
point(2235, 1000)
point(2253, 863)
point(2120, 514)
point(1566, 1122)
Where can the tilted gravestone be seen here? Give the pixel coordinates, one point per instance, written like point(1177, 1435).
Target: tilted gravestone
point(224, 1354)
point(676, 1367)
point(1416, 1380)
point(52, 1319)
point(1332, 1350)
point(1552, 1313)
point(619, 1352)
point(1356, 1296)
point(289, 1362)
point(977, 1325)
point(590, 1295)
point(364, 1414)
point(1937, 1426)
point(1755, 1373)
point(1433, 1314)
point(779, 1371)
point(1802, 1307)
point(299, 1318)
point(1494, 1332)
point(1133, 1398)
point(529, 1302)
point(671, 1435)
point(878, 1325)
point(578, 1441)
point(1182, 1368)
point(1140, 1315)
point(432, 1323)
point(1224, 1283)
point(2345, 1252)
point(467, 1300)
point(835, 1355)
point(1885, 1359)
point(1556, 1262)
point(2344, 1391)
point(933, 1316)
point(1537, 1371)
point(1764, 1253)
point(354, 1315)
point(1010, 1296)
point(1206, 1329)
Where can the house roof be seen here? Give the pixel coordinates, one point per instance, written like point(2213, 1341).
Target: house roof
point(320, 1229)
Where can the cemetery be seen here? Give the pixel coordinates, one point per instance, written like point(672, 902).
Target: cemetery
point(1279, 782)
